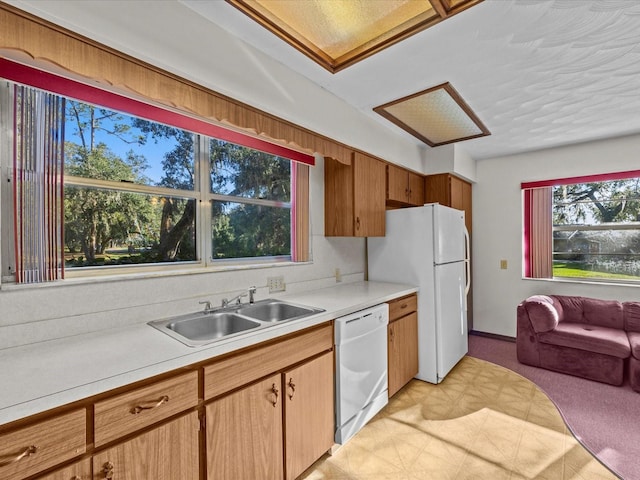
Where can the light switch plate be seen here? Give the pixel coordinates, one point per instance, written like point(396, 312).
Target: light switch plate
point(276, 284)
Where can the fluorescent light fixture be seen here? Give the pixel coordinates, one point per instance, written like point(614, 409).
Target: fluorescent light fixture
point(436, 116)
point(339, 33)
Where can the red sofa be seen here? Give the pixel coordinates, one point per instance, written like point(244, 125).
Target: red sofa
point(581, 336)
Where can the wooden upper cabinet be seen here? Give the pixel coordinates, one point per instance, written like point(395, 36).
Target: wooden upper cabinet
point(416, 189)
point(355, 197)
point(451, 191)
point(404, 188)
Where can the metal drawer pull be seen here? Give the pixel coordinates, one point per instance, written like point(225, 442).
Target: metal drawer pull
point(275, 391)
point(30, 450)
point(292, 386)
point(139, 408)
point(404, 305)
point(107, 470)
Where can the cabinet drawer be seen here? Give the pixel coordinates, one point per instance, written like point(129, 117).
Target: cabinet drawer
point(125, 413)
point(31, 449)
point(402, 306)
point(238, 370)
point(78, 471)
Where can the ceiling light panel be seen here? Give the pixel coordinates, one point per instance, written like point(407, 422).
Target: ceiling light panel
point(436, 116)
point(338, 33)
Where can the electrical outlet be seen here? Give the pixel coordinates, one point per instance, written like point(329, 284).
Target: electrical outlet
point(338, 275)
point(503, 264)
point(276, 284)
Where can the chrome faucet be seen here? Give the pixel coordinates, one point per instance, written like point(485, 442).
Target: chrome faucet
point(251, 292)
point(207, 306)
point(226, 303)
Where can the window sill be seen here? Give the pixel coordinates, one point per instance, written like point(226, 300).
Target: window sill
point(78, 278)
point(586, 281)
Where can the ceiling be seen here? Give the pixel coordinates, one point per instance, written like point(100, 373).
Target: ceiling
point(537, 73)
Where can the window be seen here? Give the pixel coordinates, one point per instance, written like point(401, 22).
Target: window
point(139, 191)
point(584, 228)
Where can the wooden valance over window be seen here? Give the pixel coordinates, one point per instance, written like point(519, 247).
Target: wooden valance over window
point(33, 41)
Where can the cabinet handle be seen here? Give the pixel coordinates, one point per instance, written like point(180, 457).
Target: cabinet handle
point(275, 392)
point(139, 408)
point(357, 223)
point(30, 450)
point(107, 470)
point(292, 386)
point(404, 305)
point(391, 334)
point(76, 477)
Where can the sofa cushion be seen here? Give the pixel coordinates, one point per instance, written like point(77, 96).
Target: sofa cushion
point(605, 313)
point(569, 308)
point(592, 311)
point(631, 313)
point(634, 342)
point(542, 314)
point(593, 338)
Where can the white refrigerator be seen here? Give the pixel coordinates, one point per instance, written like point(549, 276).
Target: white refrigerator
point(428, 247)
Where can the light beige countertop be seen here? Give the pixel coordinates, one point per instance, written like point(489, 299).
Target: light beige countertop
point(38, 377)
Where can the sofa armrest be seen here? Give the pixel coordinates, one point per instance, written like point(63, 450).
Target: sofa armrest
point(542, 313)
point(631, 316)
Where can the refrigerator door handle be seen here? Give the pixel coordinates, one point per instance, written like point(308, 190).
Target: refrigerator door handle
point(467, 261)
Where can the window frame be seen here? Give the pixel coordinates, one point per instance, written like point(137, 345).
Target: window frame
point(202, 129)
point(529, 225)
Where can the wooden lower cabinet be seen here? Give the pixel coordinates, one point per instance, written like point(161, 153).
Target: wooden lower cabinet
point(42, 445)
point(169, 452)
point(244, 433)
point(268, 411)
point(403, 351)
point(78, 471)
point(288, 416)
point(309, 413)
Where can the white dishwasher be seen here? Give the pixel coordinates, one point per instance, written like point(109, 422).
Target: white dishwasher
point(361, 369)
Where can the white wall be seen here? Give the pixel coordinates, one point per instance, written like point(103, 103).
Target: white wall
point(497, 227)
point(450, 158)
point(35, 313)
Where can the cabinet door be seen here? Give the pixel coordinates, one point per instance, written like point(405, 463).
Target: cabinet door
point(309, 413)
point(416, 188)
point(397, 185)
point(244, 433)
point(338, 198)
point(166, 452)
point(78, 471)
point(403, 351)
point(369, 180)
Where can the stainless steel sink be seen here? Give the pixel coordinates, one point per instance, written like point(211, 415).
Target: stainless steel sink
point(271, 310)
point(201, 328)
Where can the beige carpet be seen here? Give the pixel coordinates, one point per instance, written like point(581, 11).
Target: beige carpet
point(483, 422)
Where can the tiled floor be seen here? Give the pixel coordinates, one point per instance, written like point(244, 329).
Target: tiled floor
point(482, 422)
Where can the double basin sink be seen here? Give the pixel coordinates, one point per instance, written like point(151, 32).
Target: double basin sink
point(201, 328)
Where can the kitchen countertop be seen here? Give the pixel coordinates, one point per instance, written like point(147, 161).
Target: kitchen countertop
point(37, 377)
